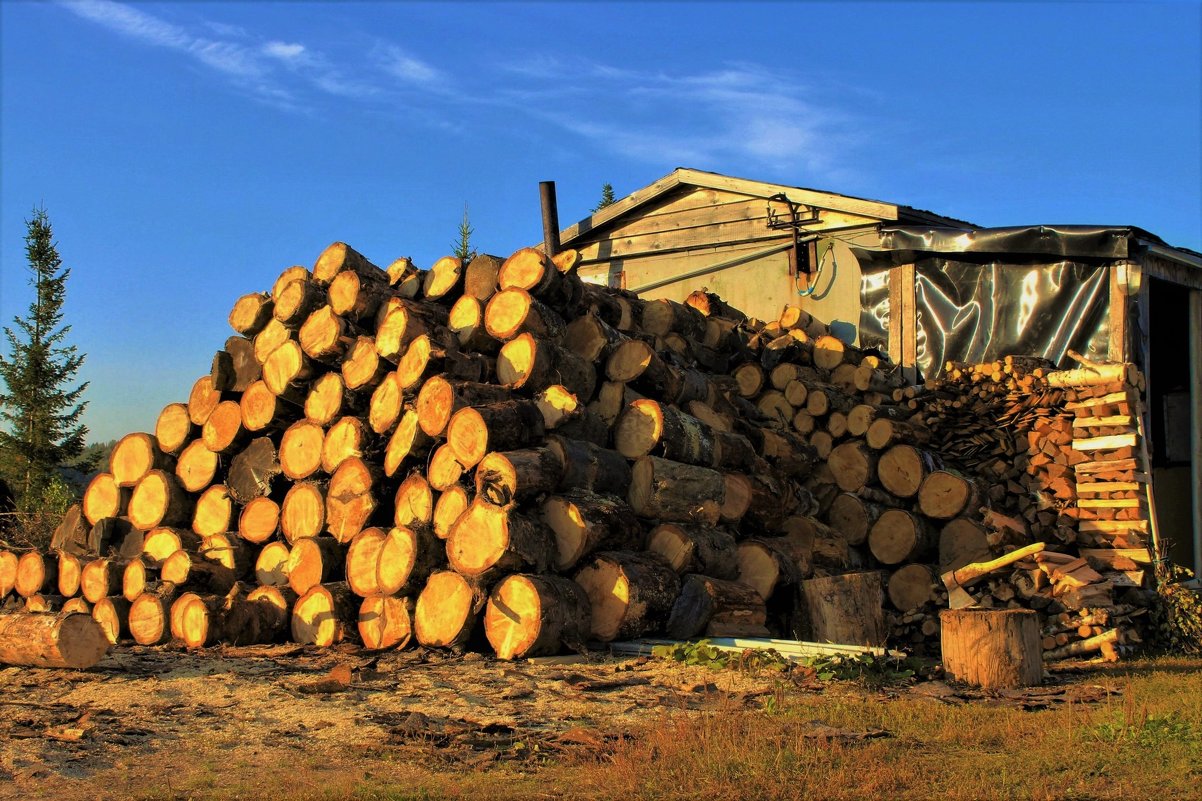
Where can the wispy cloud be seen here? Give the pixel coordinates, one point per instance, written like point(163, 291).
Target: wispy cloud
point(740, 115)
point(402, 65)
point(743, 114)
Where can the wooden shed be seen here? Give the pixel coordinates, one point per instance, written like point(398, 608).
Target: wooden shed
point(927, 288)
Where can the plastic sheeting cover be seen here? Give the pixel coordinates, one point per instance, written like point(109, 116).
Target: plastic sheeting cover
point(974, 312)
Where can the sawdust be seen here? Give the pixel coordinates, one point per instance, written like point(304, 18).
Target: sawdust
point(155, 722)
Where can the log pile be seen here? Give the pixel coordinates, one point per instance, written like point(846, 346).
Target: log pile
point(485, 455)
point(497, 456)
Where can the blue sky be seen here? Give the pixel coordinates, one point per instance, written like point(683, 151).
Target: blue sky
point(188, 152)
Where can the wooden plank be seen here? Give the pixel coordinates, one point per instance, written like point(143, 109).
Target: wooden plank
point(611, 212)
point(1172, 269)
point(1109, 486)
point(1112, 525)
point(1105, 443)
point(807, 197)
point(1106, 503)
point(1114, 397)
point(1108, 422)
point(1107, 466)
point(1112, 556)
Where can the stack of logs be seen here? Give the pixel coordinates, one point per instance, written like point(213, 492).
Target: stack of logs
point(496, 454)
point(492, 451)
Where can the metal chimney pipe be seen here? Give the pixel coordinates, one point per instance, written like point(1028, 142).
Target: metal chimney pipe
point(546, 192)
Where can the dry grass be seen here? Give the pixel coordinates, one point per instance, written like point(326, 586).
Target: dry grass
point(1142, 740)
point(1145, 741)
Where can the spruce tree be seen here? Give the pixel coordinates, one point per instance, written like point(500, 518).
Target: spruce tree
point(39, 410)
point(463, 247)
point(607, 197)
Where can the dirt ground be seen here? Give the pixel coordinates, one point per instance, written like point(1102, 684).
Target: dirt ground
point(167, 723)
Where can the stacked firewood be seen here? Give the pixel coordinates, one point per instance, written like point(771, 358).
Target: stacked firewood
point(486, 451)
point(1046, 424)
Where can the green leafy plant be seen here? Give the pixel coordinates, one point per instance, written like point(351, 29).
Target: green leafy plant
point(704, 653)
point(867, 668)
point(1177, 614)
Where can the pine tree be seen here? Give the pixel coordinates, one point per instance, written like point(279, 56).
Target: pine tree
point(463, 247)
point(607, 197)
point(40, 413)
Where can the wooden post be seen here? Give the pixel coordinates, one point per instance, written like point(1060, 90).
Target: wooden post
point(846, 609)
point(546, 193)
point(992, 648)
point(1121, 279)
point(1195, 417)
point(903, 321)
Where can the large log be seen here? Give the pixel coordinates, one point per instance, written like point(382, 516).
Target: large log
point(630, 594)
point(514, 311)
point(716, 608)
point(325, 615)
point(300, 449)
point(646, 426)
point(414, 501)
point(764, 564)
point(696, 549)
point(853, 465)
point(912, 587)
point(902, 468)
point(254, 472)
point(589, 466)
point(505, 477)
point(385, 621)
point(104, 498)
point(671, 491)
point(340, 257)
point(440, 398)
point(64, 641)
point(992, 648)
point(314, 561)
point(448, 610)
point(134, 456)
point(945, 494)
point(584, 522)
point(501, 426)
point(530, 364)
point(853, 517)
point(303, 511)
point(530, 616)
point(37, 574)
point(488, 540)
point(362, 561)
point(900, 536)
point(150, 615)
point(407, 558)
point(159, 500)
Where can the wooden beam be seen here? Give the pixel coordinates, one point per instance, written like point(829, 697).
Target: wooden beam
point(1195, 417)
point(909, 317)
point(1117, 349)
point(895, 316)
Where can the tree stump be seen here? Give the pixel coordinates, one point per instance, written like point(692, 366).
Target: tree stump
point(844, 609)
point(992, 648)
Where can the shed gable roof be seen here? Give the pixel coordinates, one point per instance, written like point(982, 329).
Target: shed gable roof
point(682, 176)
